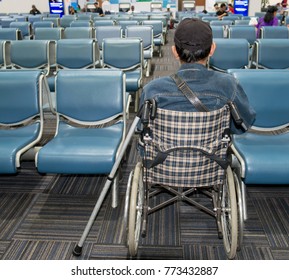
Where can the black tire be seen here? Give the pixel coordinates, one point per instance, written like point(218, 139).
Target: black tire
point(135, 209)
point(229, 215)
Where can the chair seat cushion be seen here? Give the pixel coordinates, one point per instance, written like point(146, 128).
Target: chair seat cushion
point(11, 141)
point(266, 157)
point(77, 150)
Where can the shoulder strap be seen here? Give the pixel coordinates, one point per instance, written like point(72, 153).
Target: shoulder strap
point(192, 97)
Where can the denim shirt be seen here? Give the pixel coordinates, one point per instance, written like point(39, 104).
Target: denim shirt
point(213, 88)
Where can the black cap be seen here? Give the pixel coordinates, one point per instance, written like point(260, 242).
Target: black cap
point(193, 34)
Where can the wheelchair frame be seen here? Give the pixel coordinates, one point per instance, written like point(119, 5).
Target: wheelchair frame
point(227, 200)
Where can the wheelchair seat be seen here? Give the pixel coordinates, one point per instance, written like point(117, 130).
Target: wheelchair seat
point(191, 143)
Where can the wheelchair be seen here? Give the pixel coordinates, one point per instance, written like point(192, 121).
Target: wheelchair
point(185, 153)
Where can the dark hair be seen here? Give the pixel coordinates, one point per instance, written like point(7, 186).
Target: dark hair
point(270, 13)
point(223, 5)
point(190, 57)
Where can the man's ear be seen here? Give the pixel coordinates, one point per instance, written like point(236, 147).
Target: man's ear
point(213, 48)
point(175, 53)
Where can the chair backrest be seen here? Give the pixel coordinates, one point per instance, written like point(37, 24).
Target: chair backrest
point(41, 24)
point(84, 17)
point(32, 54)
point(48, 33)
point(242, 22)
point(218, 31)
point(79, 33)
point(20, 87)
point(24, 27)
point(230, 53)
point(125, 23)
point(140, 17)
point(143, 32)
point(55, 20)
point(65, 21)
point(271, 54)
point(274, 32)
point(267, 92)
point(77, 54)
point(122, 53)
point(102, 32)
point(101, 98)
point(81, 23)
point(232, 17)
point(108, 22)
point(242, 32)
point(157, 26)
point(209, 18)
point(221, 22)
point(5, 22)
point(5, 60)
point(33, 18)
point(10, 34)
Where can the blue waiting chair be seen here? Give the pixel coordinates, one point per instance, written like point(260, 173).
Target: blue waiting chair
point(230, 53)
point(33, 54)
point(125, 54)
point(24, 27)
point(145, 32)
point(218, 31)
point(90, 130)
point(48, 33)
point(79, 32)
point(10, 34)
point(159, 40)
point(262, 153)
point(270, 54)
point(274, 32)
point(242, 32)
point(21, 117)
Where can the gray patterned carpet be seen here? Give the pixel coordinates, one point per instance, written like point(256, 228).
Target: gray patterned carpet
point(43, 216)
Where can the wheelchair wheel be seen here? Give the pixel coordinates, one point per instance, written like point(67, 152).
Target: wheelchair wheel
point(240, 211)
point(126, 205)
point(229, 216)
point(135, 209)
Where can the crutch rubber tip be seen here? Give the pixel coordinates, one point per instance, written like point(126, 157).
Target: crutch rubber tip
point(77, 251)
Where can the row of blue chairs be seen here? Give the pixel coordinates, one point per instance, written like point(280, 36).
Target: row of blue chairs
point(249, 32)
point(145, 32)
point(91, 127)
point(235, 53)
point(125, 54)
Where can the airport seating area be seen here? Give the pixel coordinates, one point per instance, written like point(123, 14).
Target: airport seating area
point(66, 150)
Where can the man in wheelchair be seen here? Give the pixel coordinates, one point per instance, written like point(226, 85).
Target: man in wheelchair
point(193, 45)
point(186, 122)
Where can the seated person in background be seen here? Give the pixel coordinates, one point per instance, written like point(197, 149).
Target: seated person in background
point(284, 3)
point(34, 11)
point(72, 11)
point(216, 7)
point(131, 10)
point(193, 45)
point(269, 19)
point(231, 8)
point(222, 12)
point(97, 9)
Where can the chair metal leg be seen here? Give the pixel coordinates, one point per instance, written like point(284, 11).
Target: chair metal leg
point(115, 191)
